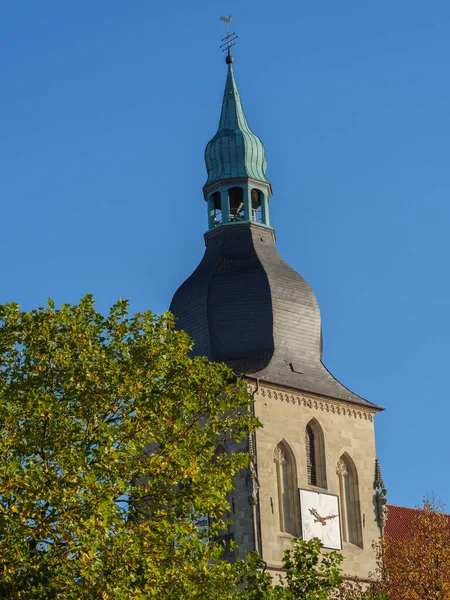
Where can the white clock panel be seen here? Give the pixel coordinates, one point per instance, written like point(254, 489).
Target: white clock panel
point(320, 518)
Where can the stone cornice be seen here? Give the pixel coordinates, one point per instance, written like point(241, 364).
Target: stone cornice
point(311, 401)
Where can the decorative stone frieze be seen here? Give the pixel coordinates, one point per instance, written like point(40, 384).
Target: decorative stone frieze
point(311, 402)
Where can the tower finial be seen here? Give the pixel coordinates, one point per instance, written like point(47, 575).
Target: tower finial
point(228, 41)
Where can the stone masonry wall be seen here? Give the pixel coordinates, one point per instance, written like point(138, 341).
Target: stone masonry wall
point(347, 428)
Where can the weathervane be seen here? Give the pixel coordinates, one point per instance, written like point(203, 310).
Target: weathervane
point(228, 41)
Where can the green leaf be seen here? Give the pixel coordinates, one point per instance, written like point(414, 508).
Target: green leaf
point(109, 430)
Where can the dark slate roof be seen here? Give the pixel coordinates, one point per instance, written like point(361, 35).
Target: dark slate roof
point(244, 305)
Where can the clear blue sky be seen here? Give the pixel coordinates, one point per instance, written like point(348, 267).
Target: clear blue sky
point(106, 108)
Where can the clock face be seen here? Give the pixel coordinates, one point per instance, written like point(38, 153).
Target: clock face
point(320, 518)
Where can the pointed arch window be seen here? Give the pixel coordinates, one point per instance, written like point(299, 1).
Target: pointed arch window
point(218, 454)
point(286, 484)
point(204, 521)
point(315, 454)
point(226, 535)
point(350, 505)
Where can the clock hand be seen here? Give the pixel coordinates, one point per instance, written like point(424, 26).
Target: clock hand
point(317, 517)
point(329, 517)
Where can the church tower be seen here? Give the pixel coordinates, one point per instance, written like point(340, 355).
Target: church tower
point(314, 458)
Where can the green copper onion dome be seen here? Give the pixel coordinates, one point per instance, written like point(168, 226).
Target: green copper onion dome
point(235, 151)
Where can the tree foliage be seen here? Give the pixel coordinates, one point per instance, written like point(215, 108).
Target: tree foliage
point(309, 574)
point(416, 566)
point(107, 434)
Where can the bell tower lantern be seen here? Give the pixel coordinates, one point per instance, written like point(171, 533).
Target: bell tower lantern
point(237, 189)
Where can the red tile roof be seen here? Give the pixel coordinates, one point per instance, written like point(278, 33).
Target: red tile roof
point(401, 520)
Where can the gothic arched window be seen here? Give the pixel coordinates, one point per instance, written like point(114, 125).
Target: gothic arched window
point(227, 533)
point(287, 492)
point(315, 454)
point(350, 506)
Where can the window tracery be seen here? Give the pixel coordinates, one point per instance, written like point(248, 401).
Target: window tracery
point(287, 491)
point(350, 504)
point(315, 454)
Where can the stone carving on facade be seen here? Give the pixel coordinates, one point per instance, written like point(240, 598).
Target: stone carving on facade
point(252, 482)
point(341, 468)
point(279, 456)
point(380, 497)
